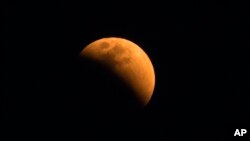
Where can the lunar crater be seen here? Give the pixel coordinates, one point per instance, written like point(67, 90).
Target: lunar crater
point(104, 45)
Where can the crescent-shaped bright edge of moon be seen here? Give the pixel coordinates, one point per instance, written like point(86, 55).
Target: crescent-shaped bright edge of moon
point(127, 61)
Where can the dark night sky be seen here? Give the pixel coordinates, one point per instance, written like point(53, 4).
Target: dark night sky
point(198, 49)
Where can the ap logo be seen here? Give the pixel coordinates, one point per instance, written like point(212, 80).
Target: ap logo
point(240, 132)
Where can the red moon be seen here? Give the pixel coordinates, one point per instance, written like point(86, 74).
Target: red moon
point(127, 61)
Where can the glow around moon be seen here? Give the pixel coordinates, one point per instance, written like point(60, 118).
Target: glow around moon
point(127, 61)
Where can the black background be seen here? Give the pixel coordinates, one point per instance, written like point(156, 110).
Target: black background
point(198, 49)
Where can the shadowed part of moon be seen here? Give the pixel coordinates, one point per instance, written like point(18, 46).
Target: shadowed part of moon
point(106, 92)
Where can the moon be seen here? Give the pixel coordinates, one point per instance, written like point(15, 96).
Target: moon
point(127, 61)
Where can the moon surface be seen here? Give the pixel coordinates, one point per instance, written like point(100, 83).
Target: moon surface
point(127, 61)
